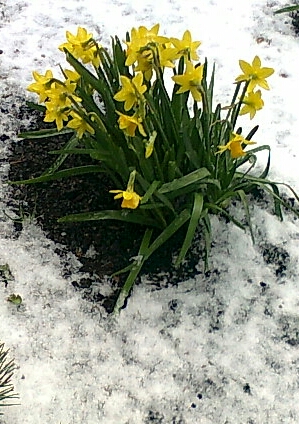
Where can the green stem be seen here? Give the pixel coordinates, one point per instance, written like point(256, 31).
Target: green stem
point(136, 268)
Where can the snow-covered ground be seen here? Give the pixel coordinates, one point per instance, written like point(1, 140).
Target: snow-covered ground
point(220, 349)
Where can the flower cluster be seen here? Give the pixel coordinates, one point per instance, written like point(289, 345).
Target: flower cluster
point(170, 165)
point(256, 76)
point(253, 75)
point(147, 52)
point(59, 97)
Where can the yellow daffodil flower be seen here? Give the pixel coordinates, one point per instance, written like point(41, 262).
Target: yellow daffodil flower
point(235, 146)
point(145, 60)
point(131, 199)
point(140, 48)
point(63, 94)
point(167, 56)
point(186, 47)
point(144, 35)
point(82, 46)
point(71, 75)
point(190, 80)
point(255, 74)
point(56, 113)
point(129, 124)
point(131, 91)
point(139, 39)
point(79, 125)
point(41, 85)
point(145, 63)
point(252, 103)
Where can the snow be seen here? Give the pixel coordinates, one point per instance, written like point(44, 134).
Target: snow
point(217, 349)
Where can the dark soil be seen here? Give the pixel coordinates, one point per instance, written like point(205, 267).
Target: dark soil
point(114, 242)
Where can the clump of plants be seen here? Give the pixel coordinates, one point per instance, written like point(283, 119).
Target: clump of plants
point(7, 368)
point(144, 110)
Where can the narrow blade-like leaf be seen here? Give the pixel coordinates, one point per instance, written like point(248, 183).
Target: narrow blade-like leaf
point(184, 181)
point(119, 215)
point(193, 223)
point(70, 172)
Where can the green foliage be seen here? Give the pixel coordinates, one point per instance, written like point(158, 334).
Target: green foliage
point(173, 157)
point(6, 372)
point(287, 9)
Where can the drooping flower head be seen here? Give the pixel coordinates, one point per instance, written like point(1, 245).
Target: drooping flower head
point(72, 75)
point(131, 199)
point(235, 146)
point(78, 124)
point(129, 124)
point(252, 103)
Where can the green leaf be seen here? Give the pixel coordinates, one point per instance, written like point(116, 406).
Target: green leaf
point(94, 153)
point(145, 185)
point(193, 223)
point(119, 56)
point(184, 181)
point(135, 269)
point(169, 231)
point(65, 151)
point(35, 106)
point(191, 138)
point(220, 210)
point(278, 201)
point(53, 132)
point(152, 206)
point(101, 85)
point(287, 9)
point(59, 161)
point(260, 149)
point(152, 188)
point(193, 188)
point(145, 252)
point(119, 215)
point(84, 72)
point(70, 172)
